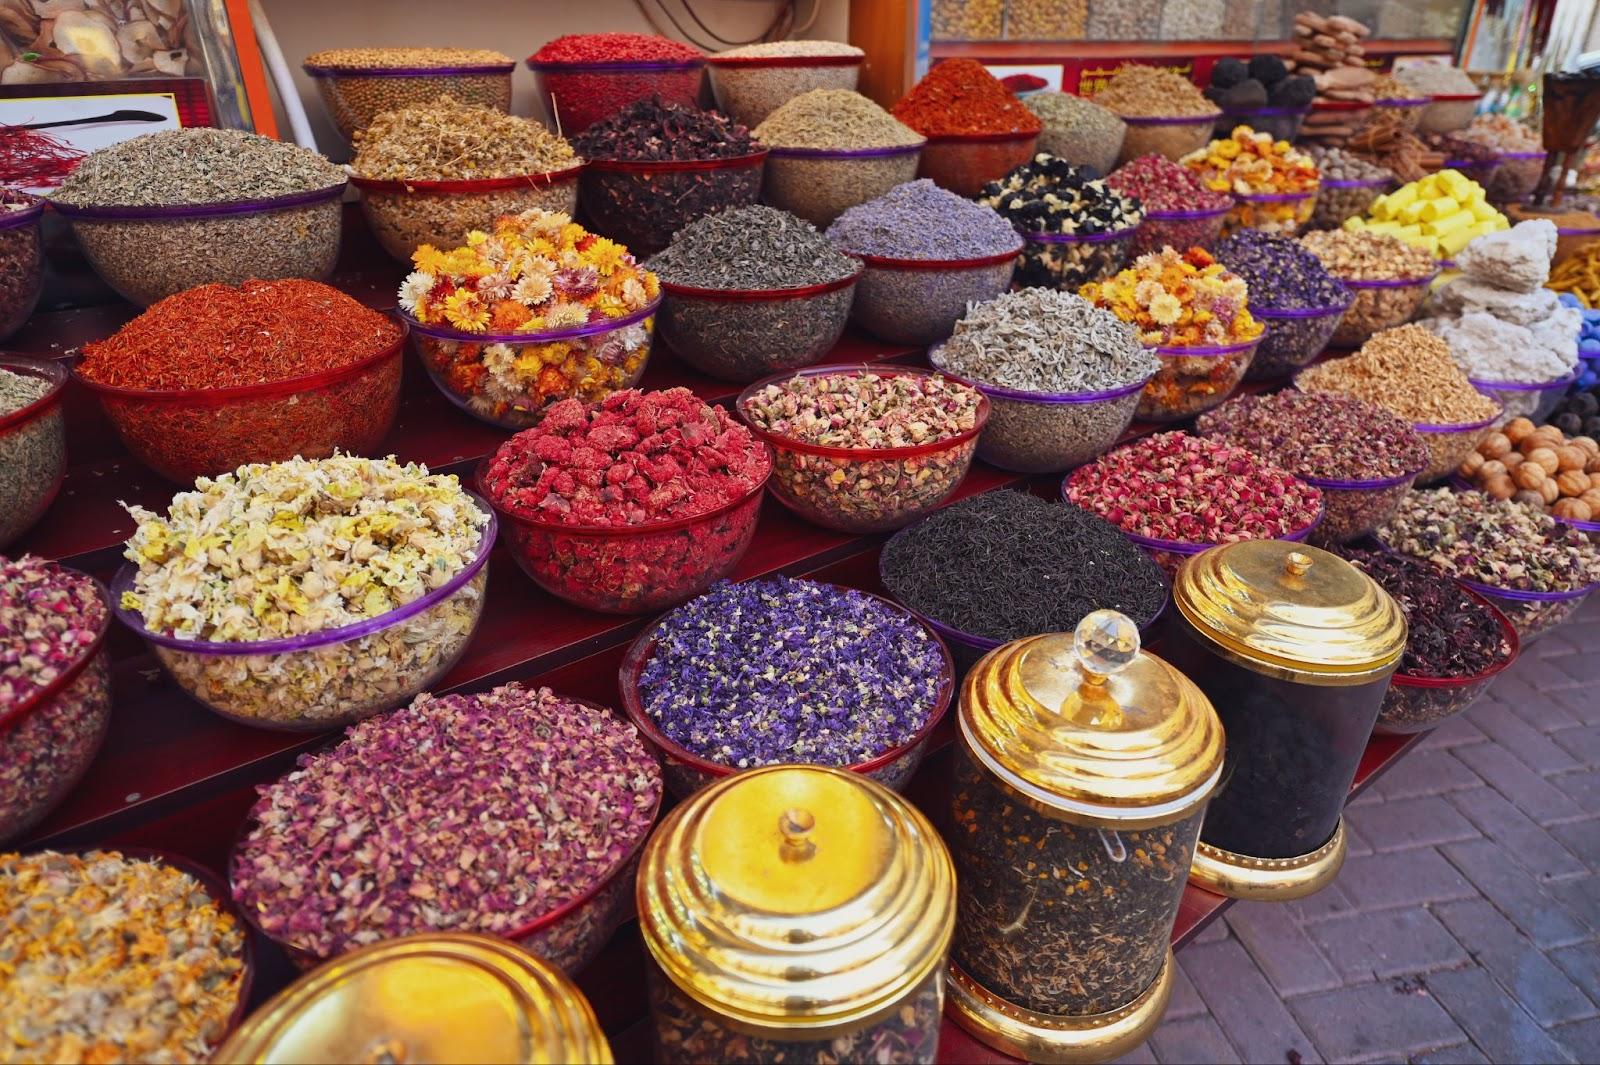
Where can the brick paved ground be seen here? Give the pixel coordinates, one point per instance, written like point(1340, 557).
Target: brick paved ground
point(1465, 925)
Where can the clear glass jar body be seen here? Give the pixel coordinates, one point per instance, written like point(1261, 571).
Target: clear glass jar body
point(1057, 917)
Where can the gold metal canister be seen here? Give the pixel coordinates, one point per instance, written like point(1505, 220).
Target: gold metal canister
point(429, 998)
point(796, 913)
point(1081, 780)
point(1295, 648)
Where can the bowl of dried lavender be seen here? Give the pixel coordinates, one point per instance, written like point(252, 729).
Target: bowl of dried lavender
point(787, 671)
point(515, 812)
point(33, 441)
point(1457, 643)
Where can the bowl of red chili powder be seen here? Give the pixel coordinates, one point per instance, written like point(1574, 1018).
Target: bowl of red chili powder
point(632, 504)
point(585, 77)
point(977, 129)
point(219, 376)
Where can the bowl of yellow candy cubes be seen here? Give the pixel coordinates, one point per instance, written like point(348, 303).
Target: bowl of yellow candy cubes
point(1440, 213)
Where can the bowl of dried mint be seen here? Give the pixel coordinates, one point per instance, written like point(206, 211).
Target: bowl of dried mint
point(1457, 643)
point(33, 441)
point(21, 259)
point(171, 210)
point(753, 291)
point(359, 84)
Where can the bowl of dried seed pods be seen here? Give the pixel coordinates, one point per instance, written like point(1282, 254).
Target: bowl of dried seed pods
point(359, 84)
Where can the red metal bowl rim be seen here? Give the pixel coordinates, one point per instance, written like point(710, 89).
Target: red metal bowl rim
point(609, 531)
point(264, 390)
point(620, 66)
point(646, 166)
point(762, 295)
point(979, 138)
point(469, 185)
point(891, 262)
point(53, 372)
point(857, 454)
point(840, 60)
point(11, 717)
point(1507, 630)
point(638, 653)
point(1449, 97)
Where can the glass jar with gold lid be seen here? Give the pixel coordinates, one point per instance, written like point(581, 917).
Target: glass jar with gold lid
point(438, 998)
point(796, 914)
point(1080, 783)
point(1295, 648)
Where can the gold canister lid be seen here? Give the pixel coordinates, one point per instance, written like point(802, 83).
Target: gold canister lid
point(426, 998)
point(1088, 726)
point(796, 897)
point(1291, 611)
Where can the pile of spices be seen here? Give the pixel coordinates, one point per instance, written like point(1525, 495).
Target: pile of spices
point(180, 167)
point(1179, 299)
point(541, 275)
point(1003, 565)
point(1541, 467)
point(1349, 185)
point(768, 672)
point(21, 259)
point(753, 81)
point(33, 454)
point(653, 130)
point(50, 620)
point(585, 78)
point(960, 96)
point(359, 84)
point(1191, 490)
point(114, 958)
point(831, 149)
point(863, 411)
point(1037, 340)
point(403, 58)
point(613, 48)
point(1362, 256)
point(445, 139)
point(920, 220)
point(297, 548)
point(35, 158)
point(1281, 274)
point(1179, 211)
point(834, 118)
point(1048, 197)
point(461, 813)
point(1140, 91)
point(762, 249)
point(1448, 632)
point(1407, 371)
point(1436, 79)
point(1081, 132)
point(1275, 184)
point(801, 49)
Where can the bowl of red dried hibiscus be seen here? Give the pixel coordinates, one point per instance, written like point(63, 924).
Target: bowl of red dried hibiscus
point(631, 504)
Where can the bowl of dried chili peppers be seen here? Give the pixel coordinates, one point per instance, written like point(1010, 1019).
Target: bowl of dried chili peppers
point(33, 441)
point(21, 259)
point(217, 377)
point(584, 78)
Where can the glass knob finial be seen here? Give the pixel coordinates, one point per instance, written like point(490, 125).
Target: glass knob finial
point(1106, 642)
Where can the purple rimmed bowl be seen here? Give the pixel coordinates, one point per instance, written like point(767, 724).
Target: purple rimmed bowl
point(1533, 400)
point(1283, 123)
point(1516, 177)
point(1065, 261)
point(1340, 199)
point(919, 301)
point(1379, 305)
point(1171, 554)
point(1282, 214)
point(820, 184)
point(23, 250)
point(1293, 338)
point(1179, 230)
point(1449, 445)
point(1194, 379)
point(1173, 136)
point(354, 96)
point(329, 679)
point(1353, 508)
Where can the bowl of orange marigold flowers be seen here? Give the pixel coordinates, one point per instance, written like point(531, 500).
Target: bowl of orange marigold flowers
point(1194, 313)
point(535, 311)
point(1273, 184)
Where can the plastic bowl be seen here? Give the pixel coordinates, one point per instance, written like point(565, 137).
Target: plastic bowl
point(633, 569)
point(1171, 554)
point(33, 450)
point(149, 253)
point(1533, 400)
point(48, 739)
point(686, 772)
point(1353, 508)
point(749, 88)
point(1448, 112)
point(1339, 200)
point(1449, 446)
point(918, 301)
point(820, 184)
point(1194, 379)
point(1405, 111)
point(578, 95)
point(746, 334)
point(863, 490)
point(328, 679)
point(1066, 261)
point(568, 937)
point(1292, 339)
point(1516, 177)
point(643, 204)
point(476, 375)
point(1047, 432)
point(964, 163)
point(1379, 305)
point(1178, 229)
point(187, 433)
point(1283, 123)
point(1416, 704)
point(404, 215)
point(1532, 614)
point(1173, 136)
point(21, 261)
point(355, 96)
point(1282, 214)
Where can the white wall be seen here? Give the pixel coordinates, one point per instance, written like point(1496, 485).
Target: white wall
point(515, 27)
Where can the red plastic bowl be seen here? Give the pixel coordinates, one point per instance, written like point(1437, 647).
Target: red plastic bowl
point(686, 772)
point(965, 162)
point(678, 191)
point(1416, 704)
point(580, 94)
point(187, 433)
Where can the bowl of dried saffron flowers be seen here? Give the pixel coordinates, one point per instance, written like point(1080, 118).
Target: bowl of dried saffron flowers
point(632, 504)
point(753, 291)
point(55, 686)
point(505, 327)
point(753, 81)
point(366, 590)
point(71, 918)
point(787, 671)
point(217, 377)
point(865, 449)
point(33, 441)
point(167, 211)
point(515, 812)
point(21, 259)
point(359, 84)
point(585, 78)
point(977, 129)
point(1457, 643)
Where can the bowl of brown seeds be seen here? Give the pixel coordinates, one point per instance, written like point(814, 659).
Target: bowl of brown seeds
point(359, 84)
